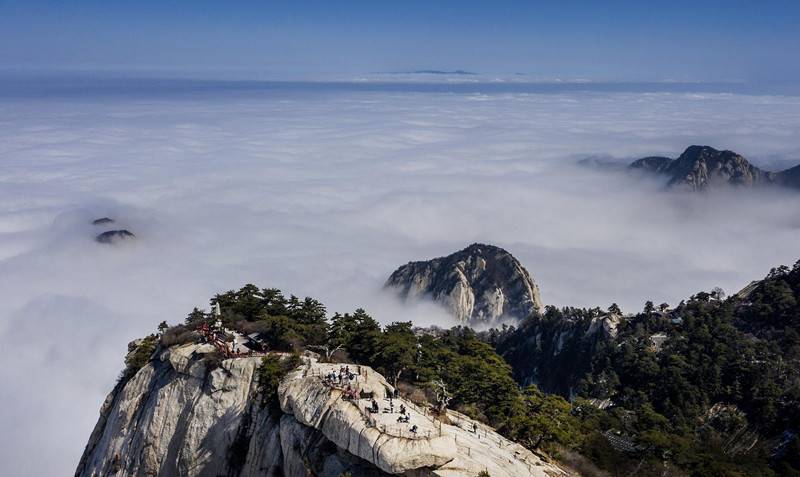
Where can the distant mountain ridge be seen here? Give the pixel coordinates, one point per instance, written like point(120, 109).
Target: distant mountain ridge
point(435, 72)
point(703, 168)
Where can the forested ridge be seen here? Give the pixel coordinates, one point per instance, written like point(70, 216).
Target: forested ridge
point(711, 386)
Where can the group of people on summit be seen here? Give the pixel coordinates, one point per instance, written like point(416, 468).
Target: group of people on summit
point(404, 417)
point(342, 378)
point(346, 380)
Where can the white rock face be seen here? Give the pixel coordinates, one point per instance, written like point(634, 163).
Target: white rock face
point(607, 323)
point(181, 415)
point(461, 299)
point(481, 284)
point(177, 417)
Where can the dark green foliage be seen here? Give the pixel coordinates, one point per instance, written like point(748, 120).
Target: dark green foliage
point(138, 356)
point(359, 333)
point(288, 323)
point(196, 317)
point(772, 311)
point(280, 332)
point(545, 419)
point(397, 350)
point(272, 370)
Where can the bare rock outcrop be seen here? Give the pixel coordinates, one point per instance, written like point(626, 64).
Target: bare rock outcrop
point(481, 284)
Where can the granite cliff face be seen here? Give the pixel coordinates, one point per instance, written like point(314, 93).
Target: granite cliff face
point(481, 284)
point(188, 414)
point(178, 416)
point(702, 168)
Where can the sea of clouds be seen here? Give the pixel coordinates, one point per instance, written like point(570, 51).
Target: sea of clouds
point(325, 192)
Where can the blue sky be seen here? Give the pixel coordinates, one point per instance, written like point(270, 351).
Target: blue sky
point(613, 40)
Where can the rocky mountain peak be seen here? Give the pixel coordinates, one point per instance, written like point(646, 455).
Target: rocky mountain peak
point(702, 168)
point(481, 284)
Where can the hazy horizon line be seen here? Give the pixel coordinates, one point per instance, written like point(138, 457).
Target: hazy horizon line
point(15, 82)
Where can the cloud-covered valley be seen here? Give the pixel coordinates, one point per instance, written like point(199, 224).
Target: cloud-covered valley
point(324, 194)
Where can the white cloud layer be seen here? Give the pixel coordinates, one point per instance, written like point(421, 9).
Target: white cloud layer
point(324, 194)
